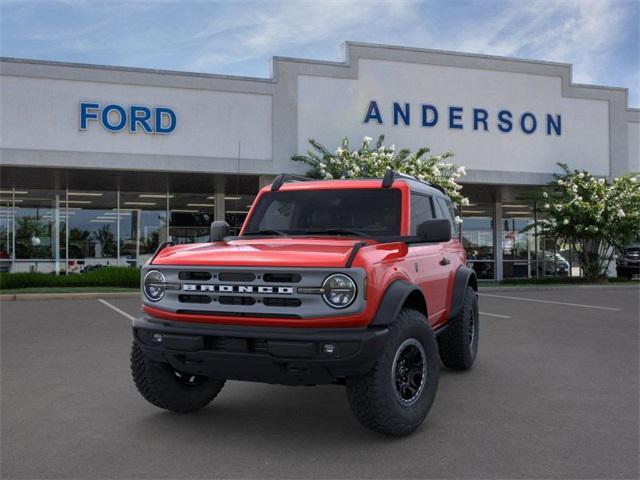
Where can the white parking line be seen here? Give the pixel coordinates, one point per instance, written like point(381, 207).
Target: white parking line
point(550, 301)
point(116, 309)
point(494, 315)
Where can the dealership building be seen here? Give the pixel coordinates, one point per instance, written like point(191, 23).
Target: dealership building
point(100, 164)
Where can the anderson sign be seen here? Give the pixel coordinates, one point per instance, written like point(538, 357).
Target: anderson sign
point(461, 118)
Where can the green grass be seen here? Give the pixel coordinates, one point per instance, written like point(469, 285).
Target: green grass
point(119, 277)
point(49, 290)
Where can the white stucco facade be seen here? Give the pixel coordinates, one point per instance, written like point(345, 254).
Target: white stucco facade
point(253, 126)
point(328, 107)
point(99, 164)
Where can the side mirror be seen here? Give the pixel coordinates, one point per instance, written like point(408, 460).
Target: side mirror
point(219, 230)
point(435, 230)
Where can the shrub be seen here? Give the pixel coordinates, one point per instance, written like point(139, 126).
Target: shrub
point(372, 161)
point(124, 277)
point(595, 216)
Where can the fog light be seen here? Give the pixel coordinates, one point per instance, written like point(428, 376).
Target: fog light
point(157, 338)
point(329, 348)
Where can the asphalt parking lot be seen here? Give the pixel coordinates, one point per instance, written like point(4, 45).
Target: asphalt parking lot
point(554, 394)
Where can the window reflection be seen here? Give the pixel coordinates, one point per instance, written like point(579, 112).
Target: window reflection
point(143, 218)
point(477, 238)
point(92, 229)
point(35, 217)
point(191, 217)
point(518, 240)
point(6, 230)
point(236, 209)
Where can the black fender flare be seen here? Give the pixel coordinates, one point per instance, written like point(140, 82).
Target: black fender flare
point(465, 277)
point(392, 301)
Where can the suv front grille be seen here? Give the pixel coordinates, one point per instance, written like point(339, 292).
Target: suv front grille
point(253, 292)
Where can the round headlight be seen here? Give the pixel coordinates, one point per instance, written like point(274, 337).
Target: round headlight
point(339, 290)
point(153, 285)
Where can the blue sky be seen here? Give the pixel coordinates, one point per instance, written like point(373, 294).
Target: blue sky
point(600, 38)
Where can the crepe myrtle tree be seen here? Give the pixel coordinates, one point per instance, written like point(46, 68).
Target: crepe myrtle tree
point(595, 216)
point(373, 160)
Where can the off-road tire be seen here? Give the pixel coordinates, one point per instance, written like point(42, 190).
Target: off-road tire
point(159, 384)
point(459, 343)
point(373, 397)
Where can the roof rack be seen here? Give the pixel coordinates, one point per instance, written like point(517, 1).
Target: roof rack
point(288, 177)
point(390, 175)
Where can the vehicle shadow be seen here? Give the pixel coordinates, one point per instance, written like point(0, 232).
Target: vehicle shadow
point(262, 411)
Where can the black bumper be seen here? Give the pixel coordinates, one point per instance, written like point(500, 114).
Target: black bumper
point(273, 355)
point(628, 269)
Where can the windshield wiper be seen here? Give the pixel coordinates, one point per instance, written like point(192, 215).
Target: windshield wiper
point(265, 232)
point(336, 231)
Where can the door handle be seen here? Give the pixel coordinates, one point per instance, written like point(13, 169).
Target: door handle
point(444, 261)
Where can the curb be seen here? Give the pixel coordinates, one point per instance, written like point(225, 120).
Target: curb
point(8, 297)
point(511, 288)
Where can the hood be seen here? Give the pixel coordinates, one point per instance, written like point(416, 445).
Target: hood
point(270, 252)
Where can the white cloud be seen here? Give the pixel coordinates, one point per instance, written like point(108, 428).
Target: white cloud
point(279, 25)
point(581, 32)
point(241, 36)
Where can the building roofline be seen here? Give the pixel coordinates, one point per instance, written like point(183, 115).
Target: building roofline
point(346, 63)
point(55, 63)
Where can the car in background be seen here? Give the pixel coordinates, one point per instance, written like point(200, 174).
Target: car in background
point(554, 264)
point(628, 263)
point(5, 262)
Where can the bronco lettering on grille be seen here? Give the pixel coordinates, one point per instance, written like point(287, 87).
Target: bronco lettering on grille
point(262, 289)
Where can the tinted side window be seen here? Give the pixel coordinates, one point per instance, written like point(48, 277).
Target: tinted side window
point(446, 211)
point(421, 210)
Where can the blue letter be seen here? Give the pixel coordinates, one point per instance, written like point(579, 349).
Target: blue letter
point(105, 118)
point(504, 117)
point(398, 111)
point(136, 118)
point(425, 115)
point(480, 116)
point(455, 113)
point(171, 126)
point(373, 112)
point(523, 123)
point(557, 125)
point(86, 115)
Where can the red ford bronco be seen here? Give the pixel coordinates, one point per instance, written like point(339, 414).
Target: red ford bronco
point(360, 283)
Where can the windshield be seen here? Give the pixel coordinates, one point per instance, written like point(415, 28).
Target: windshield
point(359, 212)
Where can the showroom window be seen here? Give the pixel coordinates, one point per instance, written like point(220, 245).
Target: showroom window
point(77, 230)
point(477, 238)
point(518, 240)
point(191, 216)
point(91, 229)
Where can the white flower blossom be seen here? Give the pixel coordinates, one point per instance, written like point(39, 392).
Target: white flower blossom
point(464, 202)
point(546, 205)
point(339, 151)
point(458, 220)
point(545, 195)
point(367, 139)
point(621, 213)
point(461, 170)
point(560, 182)
point(565, 221)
